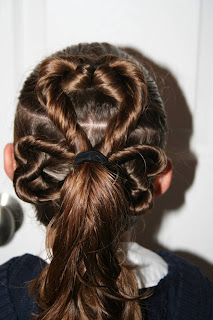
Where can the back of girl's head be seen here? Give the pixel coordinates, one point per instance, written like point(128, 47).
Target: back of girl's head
point(88, 97)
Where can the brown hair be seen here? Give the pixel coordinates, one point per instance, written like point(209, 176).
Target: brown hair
point(88, 97)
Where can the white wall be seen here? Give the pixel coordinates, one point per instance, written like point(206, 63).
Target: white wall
point(177, 37)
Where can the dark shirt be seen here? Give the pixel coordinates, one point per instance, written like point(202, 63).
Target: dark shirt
point(184, 294)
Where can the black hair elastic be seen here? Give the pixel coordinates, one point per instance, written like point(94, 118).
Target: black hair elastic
point(94, 65)
point(90, 156)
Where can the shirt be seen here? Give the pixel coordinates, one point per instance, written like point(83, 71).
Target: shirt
point(184, 293)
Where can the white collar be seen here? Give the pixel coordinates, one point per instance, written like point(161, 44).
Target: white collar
point(149, 267)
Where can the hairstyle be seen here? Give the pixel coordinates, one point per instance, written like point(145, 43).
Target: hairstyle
point(88, 97)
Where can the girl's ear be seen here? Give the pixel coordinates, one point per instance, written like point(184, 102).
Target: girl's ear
point(9, 160)
point(162, 183)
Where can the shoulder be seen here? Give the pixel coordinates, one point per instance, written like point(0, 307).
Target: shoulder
point(23, 267)
point(185, 273)
point(15, 276)
point(185, 293)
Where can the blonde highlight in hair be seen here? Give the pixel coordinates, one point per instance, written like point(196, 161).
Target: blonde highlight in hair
point(88, 97)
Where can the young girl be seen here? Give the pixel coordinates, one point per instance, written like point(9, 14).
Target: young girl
point(88, 152)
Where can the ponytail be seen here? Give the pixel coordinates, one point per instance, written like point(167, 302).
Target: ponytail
point(91, 203)
point(85, 279)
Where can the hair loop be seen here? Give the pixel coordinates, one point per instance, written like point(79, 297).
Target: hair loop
point(123, 80)
point(53, 75)
point(150, 161)
point(154, 158)
point(32, 180)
